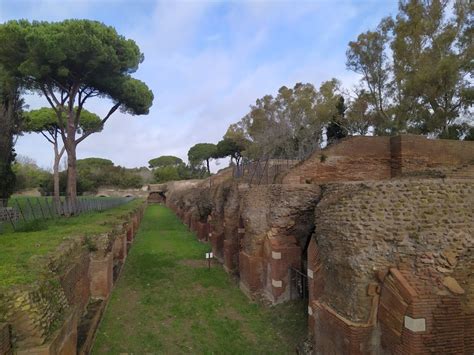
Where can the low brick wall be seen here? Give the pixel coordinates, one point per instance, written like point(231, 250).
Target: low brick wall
point(43, 317)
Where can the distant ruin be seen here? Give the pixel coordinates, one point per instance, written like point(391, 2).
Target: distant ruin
point(376, 232)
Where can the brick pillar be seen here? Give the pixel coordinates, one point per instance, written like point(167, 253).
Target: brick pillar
point(280, 259)
point(231, 255)
point(101, 275)
point(217, 244)
point(251, 272)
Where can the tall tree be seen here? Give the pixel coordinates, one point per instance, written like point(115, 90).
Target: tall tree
point(359, 117)
point(200, 153)
point(165, 160)
point(290, 125)
point(368, 56)
point(417, 69)
point(337, 127)
point(433, 62)
point(228, 147)
point(70, 62)
point(44, 121)
point(10, 119)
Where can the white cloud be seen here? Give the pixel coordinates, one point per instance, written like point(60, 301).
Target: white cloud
point(205, 77)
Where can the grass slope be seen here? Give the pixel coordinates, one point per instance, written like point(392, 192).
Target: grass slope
point(167, 301)
point(18, 250)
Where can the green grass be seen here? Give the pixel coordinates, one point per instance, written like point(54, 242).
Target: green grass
point(18, 250)
point(167, 301)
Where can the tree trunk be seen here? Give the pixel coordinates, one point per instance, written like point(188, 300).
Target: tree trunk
point(208, 169)
point(57, 160)
point(71, 173)
point(70, 145)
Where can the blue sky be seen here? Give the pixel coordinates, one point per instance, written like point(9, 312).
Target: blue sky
point(206, 62)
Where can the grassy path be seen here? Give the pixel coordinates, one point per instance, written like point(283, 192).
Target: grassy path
point(167, 301)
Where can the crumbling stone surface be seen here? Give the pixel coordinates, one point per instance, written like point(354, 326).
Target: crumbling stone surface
point(365, 227)
point(281, 210)
point(43, 315)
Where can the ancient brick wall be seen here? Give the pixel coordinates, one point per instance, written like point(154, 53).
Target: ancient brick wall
point(415, 155)
point(381, 158)
point(43, 316)
point(351, 159)
point(277, 221)
point(232, 226)
point(423, 228)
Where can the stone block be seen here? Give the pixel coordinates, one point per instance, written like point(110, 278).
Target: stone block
point(415, 325)
point(251, 269)
point(62, 342)
point(101, 276)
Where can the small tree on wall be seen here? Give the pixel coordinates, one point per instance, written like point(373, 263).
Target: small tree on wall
point(70, 62)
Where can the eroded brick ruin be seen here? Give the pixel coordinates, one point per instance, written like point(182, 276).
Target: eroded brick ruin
point(383, 227)
point(59, 312)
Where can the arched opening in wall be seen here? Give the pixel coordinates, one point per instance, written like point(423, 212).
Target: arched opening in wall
point(163, 196)
point(156, 197)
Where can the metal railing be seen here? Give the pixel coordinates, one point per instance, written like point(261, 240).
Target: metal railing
point(263, 171)
point(18, 210)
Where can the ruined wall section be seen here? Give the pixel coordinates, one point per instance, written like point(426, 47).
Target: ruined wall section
point(277, 222)
point(351, 159)
point(232, 227)
point(189, 199)
point(363, 227)
point(218, 198)
point(414, 155)
point(362, 158)
point(43, 317)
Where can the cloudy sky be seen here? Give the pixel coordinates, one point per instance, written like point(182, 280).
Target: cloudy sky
point(206, 62)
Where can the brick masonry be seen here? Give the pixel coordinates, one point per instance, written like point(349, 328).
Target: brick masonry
point(381, 158)
point(43, 317)
point(419, 233)
point(390, 263)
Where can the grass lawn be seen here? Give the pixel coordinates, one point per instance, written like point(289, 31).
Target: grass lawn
point(19, 249)
point(167, 301)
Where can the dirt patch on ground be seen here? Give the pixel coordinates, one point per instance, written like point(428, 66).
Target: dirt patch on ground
point(197, 263)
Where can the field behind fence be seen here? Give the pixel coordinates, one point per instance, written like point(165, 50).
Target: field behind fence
point(18, 211)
